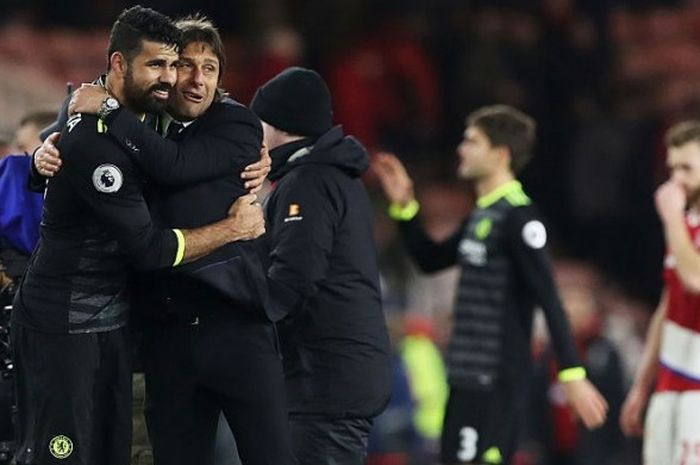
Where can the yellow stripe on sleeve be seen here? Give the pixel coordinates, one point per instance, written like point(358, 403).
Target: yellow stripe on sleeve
point(406, 212)
point(572, 374)
point(180, 247)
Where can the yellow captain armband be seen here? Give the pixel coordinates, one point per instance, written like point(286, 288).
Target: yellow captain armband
point(572, 374)
point(180, 247)
point(404, 213)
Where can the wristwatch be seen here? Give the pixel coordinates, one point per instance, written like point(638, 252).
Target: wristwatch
point(108, 105)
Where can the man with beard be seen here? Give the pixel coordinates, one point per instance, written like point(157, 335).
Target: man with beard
point(505, 271)
point(209, 345)
point(69, 335)
point(670, 366)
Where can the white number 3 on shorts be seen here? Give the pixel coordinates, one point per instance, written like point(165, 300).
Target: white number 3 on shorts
point(467, 445)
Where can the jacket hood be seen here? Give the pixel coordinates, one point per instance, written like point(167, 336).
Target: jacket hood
point(331, 148)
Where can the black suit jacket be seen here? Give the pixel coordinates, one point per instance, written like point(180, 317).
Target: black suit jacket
point(195, 178)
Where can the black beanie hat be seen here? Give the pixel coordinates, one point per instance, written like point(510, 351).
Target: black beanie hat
point(297, 101)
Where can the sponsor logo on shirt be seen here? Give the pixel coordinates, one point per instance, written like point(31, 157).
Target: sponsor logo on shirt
point(483, 228)
point(107, 178)
point(294, 213)
point(473, 252)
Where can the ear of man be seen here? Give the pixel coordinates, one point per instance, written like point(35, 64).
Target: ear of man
point(118, 64)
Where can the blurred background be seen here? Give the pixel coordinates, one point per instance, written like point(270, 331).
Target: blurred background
point(604, 79)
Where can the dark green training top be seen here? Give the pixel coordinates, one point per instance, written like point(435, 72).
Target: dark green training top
point(95, 228)
point(505, 274)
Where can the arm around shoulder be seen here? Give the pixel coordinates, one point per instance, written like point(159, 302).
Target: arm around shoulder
point(228, 137)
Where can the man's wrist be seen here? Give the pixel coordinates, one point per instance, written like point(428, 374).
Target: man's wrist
point(109, 104)
point(35, 169)
point(405, 212)
point(572, 374)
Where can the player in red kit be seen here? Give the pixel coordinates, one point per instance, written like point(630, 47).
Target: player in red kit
point(671, 360)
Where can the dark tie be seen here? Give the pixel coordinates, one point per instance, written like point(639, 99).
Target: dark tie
point(174, 130)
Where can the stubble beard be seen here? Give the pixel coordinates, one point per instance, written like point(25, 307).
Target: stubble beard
point(140, 100)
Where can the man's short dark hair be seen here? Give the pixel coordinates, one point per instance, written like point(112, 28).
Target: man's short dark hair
point(40, 119)
point(682, 133)
point(136, 24)
point(199, 28)
point(509, 127)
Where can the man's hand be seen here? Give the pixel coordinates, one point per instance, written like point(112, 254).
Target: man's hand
point(395, 181)
point(87, 99)
point(631, 415)
point(5, 280)
point(246, 220)
point(258, 171)
point(587, 402)
point(671, 200)
point(47, 158)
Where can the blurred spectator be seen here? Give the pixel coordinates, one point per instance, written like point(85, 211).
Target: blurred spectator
point(551, 435)
point(408, 431)
point(393, 439)
point(385, 87)
point(20, 214)
point(5, 142)
point(281, 47)
point(30, 126)
point(611, 149)
point(427, 378)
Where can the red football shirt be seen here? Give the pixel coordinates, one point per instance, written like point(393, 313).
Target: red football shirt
point(680, 344)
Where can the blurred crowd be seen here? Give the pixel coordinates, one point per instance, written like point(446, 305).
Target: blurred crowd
point(603, 79)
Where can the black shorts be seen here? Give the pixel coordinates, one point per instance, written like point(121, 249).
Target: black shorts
point(73, 397)
point(480, 426)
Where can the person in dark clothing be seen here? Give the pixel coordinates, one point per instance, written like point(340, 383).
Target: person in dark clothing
point(505, 271)
point(209, 344)
point(323, 272)
point(69, 335)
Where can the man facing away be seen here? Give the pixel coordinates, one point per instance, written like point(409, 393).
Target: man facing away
point(505, 271)
point(323, 272)
point(670, 365)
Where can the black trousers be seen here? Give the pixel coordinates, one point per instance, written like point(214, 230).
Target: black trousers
point(319, 441)
point(225, 363)
point(73, 397)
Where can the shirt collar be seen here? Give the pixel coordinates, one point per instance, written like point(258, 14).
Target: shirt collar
point(498, 193)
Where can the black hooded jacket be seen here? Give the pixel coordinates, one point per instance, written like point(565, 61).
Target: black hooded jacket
point(324, 276)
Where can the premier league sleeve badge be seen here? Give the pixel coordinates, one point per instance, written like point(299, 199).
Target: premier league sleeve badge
point(107, 178)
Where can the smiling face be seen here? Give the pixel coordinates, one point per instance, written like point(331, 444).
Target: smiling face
point(197, 81)
point(150, 77)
